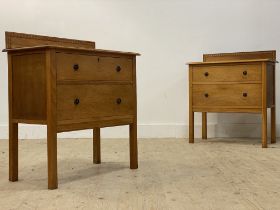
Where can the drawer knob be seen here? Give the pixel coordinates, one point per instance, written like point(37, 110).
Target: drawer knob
point(206, 95)
point(118, 68)
point(76, 101)
point(244, 73)
point(76, 67)
point(206, 74)
point(119, 100)
point(245, 94)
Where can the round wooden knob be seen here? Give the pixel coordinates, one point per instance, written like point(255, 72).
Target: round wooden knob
point(245, 94)
point(244, 73)
point(206, 95)
point(119, 100)
point(76, 67)
point(76, 101)
point(206, 74)
point(118, 68)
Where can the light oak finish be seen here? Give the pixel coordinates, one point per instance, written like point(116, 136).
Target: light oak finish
point(233, 82)
point(220, 73)
point(227, 94)
point(93, 68)
point(204, 125)
point(19, 40)
point(68, 85)
point(118, 100)
point(219, 57)
point(96, 146)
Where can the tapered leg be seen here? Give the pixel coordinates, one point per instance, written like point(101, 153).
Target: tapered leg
point(273, 125)
point(133, 146)
point(264, 128)
point(52, 158)
point(191, 126)
point(96, 146)
point(204, 125)
point(13, 152)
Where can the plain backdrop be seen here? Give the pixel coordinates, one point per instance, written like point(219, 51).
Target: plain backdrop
point(168, 33)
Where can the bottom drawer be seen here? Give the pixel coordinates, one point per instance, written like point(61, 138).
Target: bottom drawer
point(77, 102)
point(227, 95)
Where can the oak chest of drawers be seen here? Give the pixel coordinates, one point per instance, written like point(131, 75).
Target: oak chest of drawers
point(68, 85)
point(233, 82)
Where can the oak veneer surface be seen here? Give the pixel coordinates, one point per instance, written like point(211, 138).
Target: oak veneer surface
point(68, 85)
point(233, 82)
point(100, 100)
point(93, 67)
point(29, 87)
point(227, 73)
point(271, 54)
point(18, 40)
point(227, 95)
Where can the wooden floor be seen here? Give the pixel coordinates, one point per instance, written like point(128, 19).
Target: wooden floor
point(173, 174)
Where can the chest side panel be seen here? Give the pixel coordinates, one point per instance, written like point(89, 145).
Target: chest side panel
point(29, 86)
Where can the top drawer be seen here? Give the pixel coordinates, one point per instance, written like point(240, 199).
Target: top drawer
point(87, 67)
point(227, 73)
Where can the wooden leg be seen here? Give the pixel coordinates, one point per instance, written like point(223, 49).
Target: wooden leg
point(191, 126)
point(96, 146)
point(133, 146)
point(204, 125)
point(13, 152)
point(273, 125)
point(52, 158)
point(264, 128)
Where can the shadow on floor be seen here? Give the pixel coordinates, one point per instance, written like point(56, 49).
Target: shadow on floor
point(242, 141)
point(34, 177)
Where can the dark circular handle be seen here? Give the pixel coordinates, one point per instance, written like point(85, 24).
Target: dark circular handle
point(206, 74)
point(244, 73)
point(119, 100)
point(245, 94)
point(76, 101)
point(76, 67)
point(118, 68)
point(206, 95)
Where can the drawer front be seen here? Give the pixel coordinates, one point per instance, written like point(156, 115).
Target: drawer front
point(95, 68)
point(94, 101)
point(227, 73)
point(227, 95)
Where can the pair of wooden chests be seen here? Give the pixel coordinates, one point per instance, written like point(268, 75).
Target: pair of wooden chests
point(69, 85)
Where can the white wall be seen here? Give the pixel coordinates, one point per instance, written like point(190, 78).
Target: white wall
point(168, 33)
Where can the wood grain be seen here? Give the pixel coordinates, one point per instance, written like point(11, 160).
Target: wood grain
point(204, 125)
point(227, 73)
point(191, 113)
point(13, 128)
point(264, 106)
point(96, 146)
point(94, 101)
point(271, 54)
point(51, 119)
point(133, 141)
point(227, 95)
point(227, 109)
point(93, 68)
point(17, 40)
point(72, 125)
point(44, 89)
point(273, 108)
point(234, 82)
point(29, 87)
